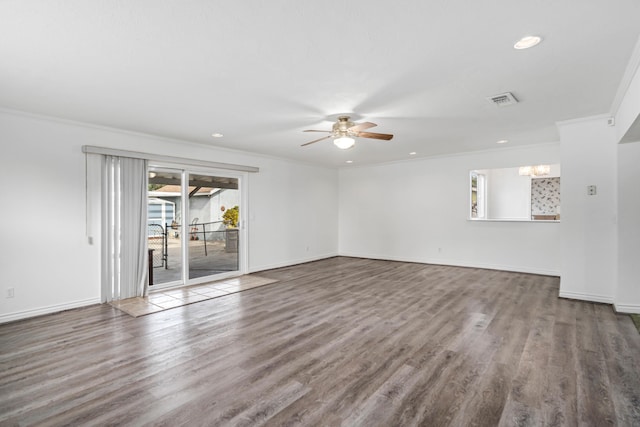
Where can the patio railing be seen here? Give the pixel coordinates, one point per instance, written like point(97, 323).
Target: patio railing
point(158, 238)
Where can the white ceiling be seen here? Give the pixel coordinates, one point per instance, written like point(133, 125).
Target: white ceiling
point(260, 72)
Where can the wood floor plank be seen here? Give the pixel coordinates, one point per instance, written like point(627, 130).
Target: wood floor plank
point(341, 341)
point(560, 402)
point(485, 406)
point(623, 368)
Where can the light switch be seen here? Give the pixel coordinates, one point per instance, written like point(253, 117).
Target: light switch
point(591, 190)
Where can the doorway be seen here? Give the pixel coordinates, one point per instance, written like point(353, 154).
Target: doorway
point(194, 223)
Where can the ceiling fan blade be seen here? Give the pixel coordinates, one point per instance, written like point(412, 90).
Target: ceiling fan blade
point(316, 140)
point(362, 126)
point(373, 135)
point(313, 130)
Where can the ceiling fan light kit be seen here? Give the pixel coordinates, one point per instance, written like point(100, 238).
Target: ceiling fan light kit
point(344, 131)
point(344, 142)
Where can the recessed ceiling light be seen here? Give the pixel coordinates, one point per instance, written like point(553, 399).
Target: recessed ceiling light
point(349, 161)
point(502, 141)
point(413, 153)
point(217, 135)
point(527, 42)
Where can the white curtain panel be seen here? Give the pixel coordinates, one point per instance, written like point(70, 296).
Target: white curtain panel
point(124, 228)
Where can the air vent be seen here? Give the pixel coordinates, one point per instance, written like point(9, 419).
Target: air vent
point(503, 99)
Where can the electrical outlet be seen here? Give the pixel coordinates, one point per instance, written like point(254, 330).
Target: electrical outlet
point(591, 190)
point(10, 292)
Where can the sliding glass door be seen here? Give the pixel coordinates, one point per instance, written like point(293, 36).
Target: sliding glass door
point(214, 205)
point(194, 226)
point(164, 207)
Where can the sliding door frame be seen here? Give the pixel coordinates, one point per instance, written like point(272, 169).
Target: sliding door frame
point(243, 234)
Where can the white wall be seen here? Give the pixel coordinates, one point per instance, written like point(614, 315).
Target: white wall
point(627, 128)
point(417, 211)
point(45, 255)
point(627, 118)
point(589, 229)
point(293, 214)
point(627, 297)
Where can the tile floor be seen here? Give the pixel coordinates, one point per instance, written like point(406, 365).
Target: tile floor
point(164, 300)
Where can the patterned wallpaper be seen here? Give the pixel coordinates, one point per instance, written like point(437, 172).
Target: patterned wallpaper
point(545, 196)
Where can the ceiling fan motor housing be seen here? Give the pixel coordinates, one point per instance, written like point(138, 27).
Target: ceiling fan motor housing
point(341, 127)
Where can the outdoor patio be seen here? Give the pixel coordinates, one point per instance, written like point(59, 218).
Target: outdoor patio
point(206, 256)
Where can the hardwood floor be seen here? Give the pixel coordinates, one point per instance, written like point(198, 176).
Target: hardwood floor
point(341, 341)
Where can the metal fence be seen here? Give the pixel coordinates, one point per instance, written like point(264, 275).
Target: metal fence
point(207, 232)
point(199, 231)
point(157, 238)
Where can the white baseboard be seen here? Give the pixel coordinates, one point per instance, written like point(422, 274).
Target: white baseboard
point(457, 263)
point(627, 308)
point(290, 263)
point(10, 317)
point(586, 297)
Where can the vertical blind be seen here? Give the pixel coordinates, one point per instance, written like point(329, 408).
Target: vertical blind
point(124, 228)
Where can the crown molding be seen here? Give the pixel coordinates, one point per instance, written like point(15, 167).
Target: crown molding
point(632, 67)
point(583, 119)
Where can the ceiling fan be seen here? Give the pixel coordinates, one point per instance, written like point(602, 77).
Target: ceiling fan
point(344, 130)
